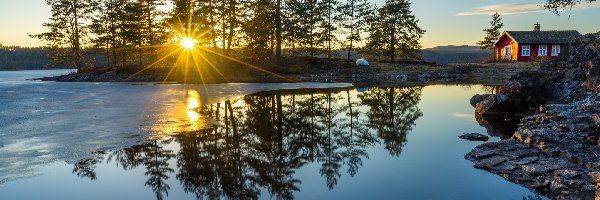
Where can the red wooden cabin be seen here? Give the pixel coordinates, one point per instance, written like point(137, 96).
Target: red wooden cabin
point(523, 45)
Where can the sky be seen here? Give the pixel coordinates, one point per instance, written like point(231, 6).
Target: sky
point(447, 22)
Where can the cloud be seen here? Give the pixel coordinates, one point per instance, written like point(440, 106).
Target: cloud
point(465, 116)
point(519, 8)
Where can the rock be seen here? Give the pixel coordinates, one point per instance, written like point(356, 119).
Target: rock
point(474, 137)
point(478, 98)
point(489, 163)
point(498, 126)
point(525, 160)
point(490, 149)
point(556, 150)
point(494, 105)
point(530, 167)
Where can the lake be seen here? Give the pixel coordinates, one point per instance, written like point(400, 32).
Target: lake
point(241, 141)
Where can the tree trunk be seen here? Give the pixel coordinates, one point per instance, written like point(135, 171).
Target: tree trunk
point(329, 29)
point(113, 38)
point(231, 17)
point(278, 32)
point(76, 44)
point(151, 40)
point(351, 27)
point(393, 44)
point(150, 24)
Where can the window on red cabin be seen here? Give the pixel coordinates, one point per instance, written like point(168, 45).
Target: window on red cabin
point(543, 50)
point(526, 50)
point(555, 50)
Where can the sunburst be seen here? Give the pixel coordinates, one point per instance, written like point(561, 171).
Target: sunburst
point(188, 43)
point(190, 51)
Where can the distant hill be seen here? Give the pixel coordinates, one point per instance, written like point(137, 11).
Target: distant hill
point(455, 54)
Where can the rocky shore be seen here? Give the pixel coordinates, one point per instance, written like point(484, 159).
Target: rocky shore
point(555, 150)
point(378, 74)
point(103, 76)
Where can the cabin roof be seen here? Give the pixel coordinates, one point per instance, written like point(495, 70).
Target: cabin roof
point(534, 37)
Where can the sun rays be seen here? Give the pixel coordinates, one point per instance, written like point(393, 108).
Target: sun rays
point(188, 43)
point(190, 54)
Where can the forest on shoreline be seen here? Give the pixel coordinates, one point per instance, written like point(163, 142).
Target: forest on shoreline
point(23, 58)
point(258, 33)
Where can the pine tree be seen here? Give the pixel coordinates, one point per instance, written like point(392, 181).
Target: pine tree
point(301, 24)
point(133, 31)
point(259, 29)
point(396, 30)
point(120, 26)
point(293, 30)
point(104, 25)
point(278, 31)
point(66, 31)
point(327, 10)
point(183, 21)
point(231, 23)
point(207, 16)
point(492, 33)
point(376, 40)
point(354, 14)
point(154, 31)
point(211, 22)
point(224, 20)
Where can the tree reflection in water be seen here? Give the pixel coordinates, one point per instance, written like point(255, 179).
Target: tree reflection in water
point(154, 157)
point(260, 140)
point(392, 114)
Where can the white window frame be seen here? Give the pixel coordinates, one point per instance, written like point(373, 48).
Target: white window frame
point(543, 48)
point(555, 50)
point(523, 50)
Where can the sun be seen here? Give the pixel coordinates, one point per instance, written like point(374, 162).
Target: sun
point(188, 43)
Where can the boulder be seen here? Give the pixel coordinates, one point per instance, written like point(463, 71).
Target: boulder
point(494, 105)
point(478, 98)
point(551, 176)
point(474, 137)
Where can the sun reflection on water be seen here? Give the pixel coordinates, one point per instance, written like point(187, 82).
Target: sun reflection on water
point(193, 116)
point(192, 104)
point(182, 115)
point(193, 99)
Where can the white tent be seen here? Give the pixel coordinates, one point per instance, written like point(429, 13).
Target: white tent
point(362, 62)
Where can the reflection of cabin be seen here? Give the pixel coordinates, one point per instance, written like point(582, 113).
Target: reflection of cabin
point(522, 45)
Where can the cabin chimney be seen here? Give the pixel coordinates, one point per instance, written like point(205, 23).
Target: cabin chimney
point(536, 27)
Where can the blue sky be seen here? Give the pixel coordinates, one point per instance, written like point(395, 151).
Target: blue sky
point(448, 22)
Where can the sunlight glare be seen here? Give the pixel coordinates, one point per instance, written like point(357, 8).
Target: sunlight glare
point(188, 43)
point(193, 116)
point(193, 100)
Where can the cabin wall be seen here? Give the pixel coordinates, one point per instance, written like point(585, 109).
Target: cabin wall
point(535, 49)
point(505, 41)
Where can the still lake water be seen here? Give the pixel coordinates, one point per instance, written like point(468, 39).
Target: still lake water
point(239, 141)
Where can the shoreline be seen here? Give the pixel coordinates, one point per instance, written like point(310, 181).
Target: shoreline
point(379, 74)
point(556, 150)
